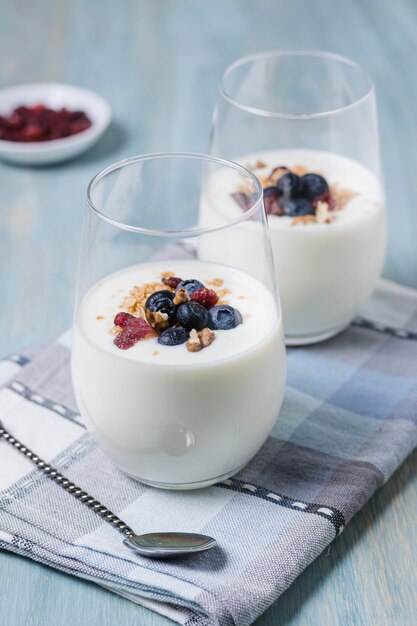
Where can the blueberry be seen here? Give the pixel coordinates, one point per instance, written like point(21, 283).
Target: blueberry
point(190, 285)
point(270, 192)
point(224, 317)
point(173, 337)
point(162, 301)
point(192, 315)
point(290, 185)
point(314, 185)
point(297, 207)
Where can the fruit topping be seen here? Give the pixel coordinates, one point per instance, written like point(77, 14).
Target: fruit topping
point(224, 317)
point(131, 335)
point(187, 315)
point(328, 199)
point(173, 337)
point(39, 123)
point(171, 281)
point(125, 319)
point(277, 173)
point(314, 185)
point(190, 285)
point(290, 185)
point(271, 203)
point(206, 297)
point(297, 206)
point(161, 302)
point(192, 315)
point(242, 200)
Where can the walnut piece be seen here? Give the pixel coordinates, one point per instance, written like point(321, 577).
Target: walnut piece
point(206, 337)
point(158, 321)
point(181, 296)
point(194, 343)
point(200, 340)
point(323, 215)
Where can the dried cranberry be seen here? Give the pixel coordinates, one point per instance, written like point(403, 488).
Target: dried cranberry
point(32, 132)
point(39, 123)
point(207, 297)
point(130, 336)
point(243, 200)
point(125, 320)
point(171, 281)
point(325, 197)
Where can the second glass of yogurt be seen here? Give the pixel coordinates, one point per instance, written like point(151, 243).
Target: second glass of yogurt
point(178, 359)
point(305, 123)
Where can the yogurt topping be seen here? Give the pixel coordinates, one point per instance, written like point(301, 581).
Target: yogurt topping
point(243, 292)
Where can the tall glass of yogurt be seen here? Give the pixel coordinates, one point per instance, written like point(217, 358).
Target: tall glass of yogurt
point(305, 122)
point(178, 359)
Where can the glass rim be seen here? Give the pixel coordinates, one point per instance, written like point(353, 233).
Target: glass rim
point(188, 232)
point(323, 54)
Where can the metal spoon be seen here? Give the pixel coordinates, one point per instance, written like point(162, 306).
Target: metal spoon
point(152, 545)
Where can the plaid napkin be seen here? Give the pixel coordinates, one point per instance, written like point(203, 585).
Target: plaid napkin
point(348, 421)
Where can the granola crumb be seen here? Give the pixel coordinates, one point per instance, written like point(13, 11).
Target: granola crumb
point(167, 274)
point(300, 170)
point(215, 282)
point(259, 165)
point(115, 330)
point(155, 353)
point(241, 297)
point(304, 220)
point(341, 195)
point(181, 296)
point(100, 317)
point(134, 302)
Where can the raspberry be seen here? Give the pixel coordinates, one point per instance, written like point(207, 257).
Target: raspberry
point(125, 320)
point(131, 335)
point(325, 197)
point(171, 281)
point(207, 297)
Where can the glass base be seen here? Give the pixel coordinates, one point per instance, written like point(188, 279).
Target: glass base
point(183, 486)
point(305, 340)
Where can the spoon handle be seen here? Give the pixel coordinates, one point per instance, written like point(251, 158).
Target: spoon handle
point(66, 484)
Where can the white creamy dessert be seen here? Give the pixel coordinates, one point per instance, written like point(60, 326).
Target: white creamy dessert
point(325, 271)
point(171, 417)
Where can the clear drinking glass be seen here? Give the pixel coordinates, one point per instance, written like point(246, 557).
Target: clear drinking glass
point(187, 415)
point(310, 112)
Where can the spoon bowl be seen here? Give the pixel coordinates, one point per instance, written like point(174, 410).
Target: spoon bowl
point(166, 545)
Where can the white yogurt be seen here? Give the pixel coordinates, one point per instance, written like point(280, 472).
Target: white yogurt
point(324, 271)
point(167, 416)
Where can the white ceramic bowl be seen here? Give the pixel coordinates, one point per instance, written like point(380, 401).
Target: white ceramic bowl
point(55, 96)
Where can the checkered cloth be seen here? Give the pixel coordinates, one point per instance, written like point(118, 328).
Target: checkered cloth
point(348, 421)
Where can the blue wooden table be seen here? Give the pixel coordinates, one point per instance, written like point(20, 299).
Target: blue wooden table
point(158, 62)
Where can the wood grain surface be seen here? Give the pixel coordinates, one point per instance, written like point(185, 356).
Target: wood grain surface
point(158, 63)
